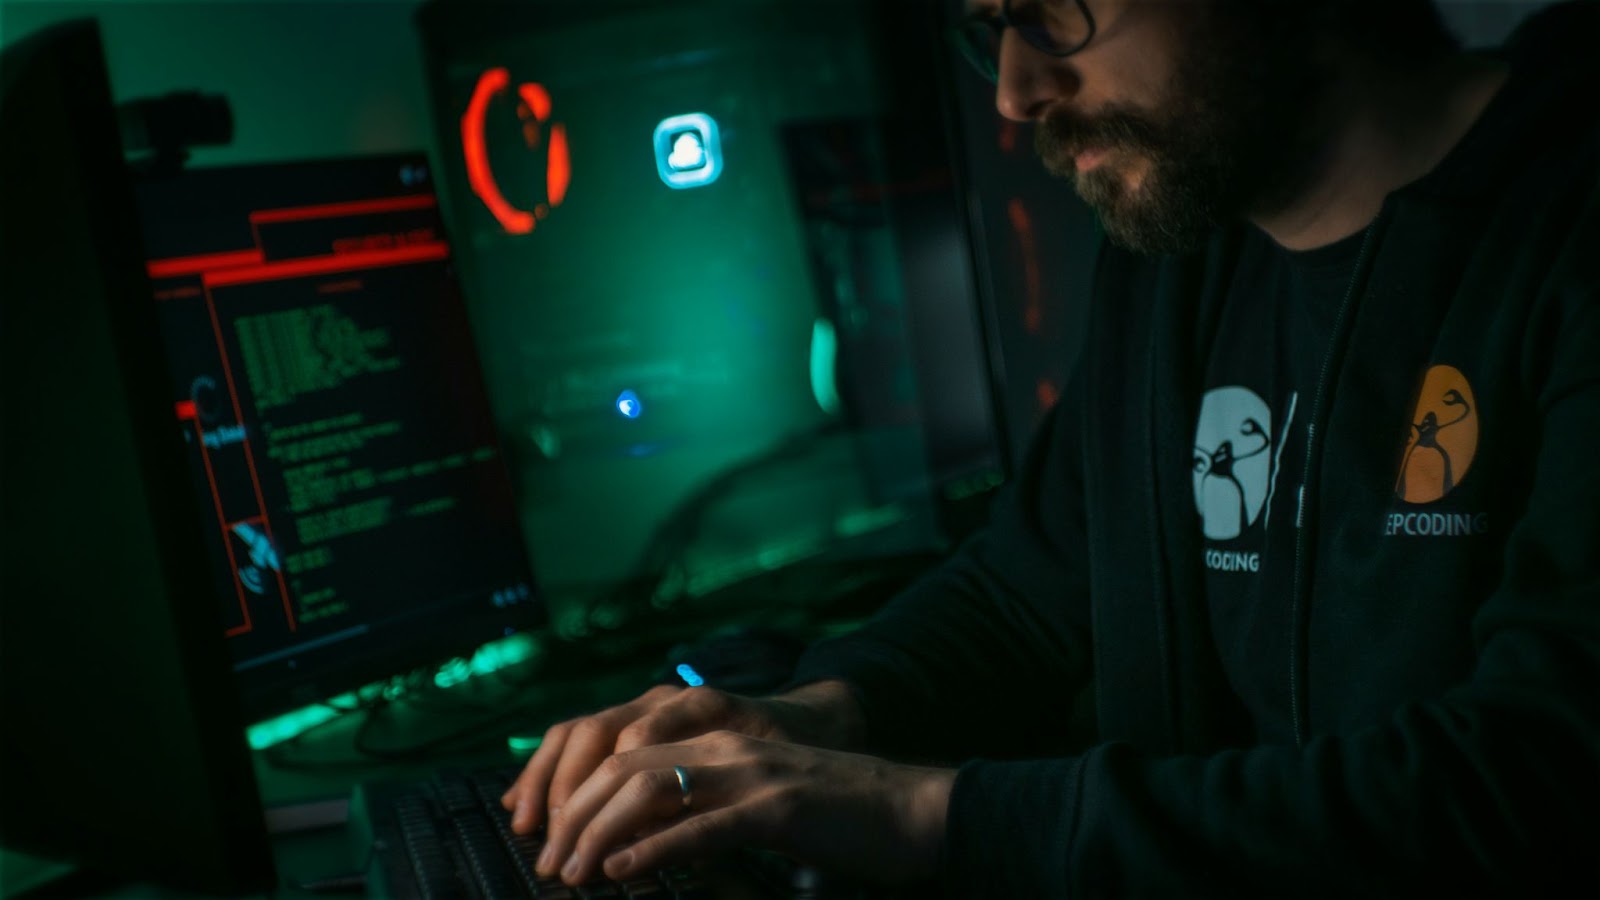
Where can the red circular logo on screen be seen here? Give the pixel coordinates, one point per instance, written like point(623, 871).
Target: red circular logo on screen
point(539, 132)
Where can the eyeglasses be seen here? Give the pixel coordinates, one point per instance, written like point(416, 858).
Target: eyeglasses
point(1054, 27)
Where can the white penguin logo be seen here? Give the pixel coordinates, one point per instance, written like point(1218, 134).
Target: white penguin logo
point(1232, 462)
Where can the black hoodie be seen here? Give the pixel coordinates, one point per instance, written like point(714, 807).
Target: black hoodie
point(1444, 661)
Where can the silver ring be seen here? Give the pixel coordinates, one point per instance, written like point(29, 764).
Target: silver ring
point(685, 786)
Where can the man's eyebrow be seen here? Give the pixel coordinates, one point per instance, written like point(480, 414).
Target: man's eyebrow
point(981, 8)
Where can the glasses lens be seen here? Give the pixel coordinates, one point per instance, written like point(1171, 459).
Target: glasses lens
point(1057, 27)
point(979, 41)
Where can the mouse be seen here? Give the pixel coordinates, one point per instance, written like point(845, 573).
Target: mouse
point(741, 659)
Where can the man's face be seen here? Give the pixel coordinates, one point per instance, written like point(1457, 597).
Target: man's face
point(1177, 117)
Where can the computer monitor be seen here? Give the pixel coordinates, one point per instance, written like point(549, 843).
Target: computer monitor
point(715, 245)
point(122, 740)
point(359, 520)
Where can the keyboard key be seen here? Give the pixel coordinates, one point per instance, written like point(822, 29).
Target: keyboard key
point(456, 795)
point(550, 889)
point(684, 884)
point(490, 785)
point(491, 868)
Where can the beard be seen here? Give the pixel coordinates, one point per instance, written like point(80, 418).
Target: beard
point(1236, 135)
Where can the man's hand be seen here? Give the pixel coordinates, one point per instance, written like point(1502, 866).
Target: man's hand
point(851, 814)
point(822, 714)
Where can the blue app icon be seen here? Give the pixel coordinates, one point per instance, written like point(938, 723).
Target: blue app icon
point(688, 151)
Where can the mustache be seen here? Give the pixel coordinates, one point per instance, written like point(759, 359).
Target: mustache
point(1060, 137)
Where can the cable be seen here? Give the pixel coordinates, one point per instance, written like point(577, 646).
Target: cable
point(664, 553)
point(280, 755)
point(415, 693)
point(424, 749)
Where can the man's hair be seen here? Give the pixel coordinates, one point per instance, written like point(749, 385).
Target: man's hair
point(1399, 33)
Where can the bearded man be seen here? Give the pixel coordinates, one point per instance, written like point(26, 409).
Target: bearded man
point(1314, 530)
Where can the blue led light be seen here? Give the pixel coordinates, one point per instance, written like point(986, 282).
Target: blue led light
point(628, 404)
point(689, 675)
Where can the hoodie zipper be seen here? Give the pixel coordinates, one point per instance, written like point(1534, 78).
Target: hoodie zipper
point(1299, 614)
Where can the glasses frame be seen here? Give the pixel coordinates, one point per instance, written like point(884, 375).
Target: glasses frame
point(989, 67)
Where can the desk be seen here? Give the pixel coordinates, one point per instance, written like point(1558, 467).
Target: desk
point(323, 766)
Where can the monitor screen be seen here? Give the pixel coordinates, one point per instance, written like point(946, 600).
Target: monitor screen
point(359, 518)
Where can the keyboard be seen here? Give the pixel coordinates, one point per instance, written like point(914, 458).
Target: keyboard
point(447, 838)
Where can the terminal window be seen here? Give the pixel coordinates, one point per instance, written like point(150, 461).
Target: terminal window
point(326, 384)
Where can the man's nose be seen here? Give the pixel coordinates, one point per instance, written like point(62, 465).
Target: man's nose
point(1030, 81)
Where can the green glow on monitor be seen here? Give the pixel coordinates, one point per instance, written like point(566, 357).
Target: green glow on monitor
point(490, 657)
point(275, 731)
point(865, 521)
point(824, 353)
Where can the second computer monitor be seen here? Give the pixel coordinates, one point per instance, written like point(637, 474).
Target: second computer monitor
point(325, 381)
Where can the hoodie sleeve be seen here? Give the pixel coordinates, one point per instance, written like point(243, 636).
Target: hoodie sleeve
point(936, 670)
point(1491, 788)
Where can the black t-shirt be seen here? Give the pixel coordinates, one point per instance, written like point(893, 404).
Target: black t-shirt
point(1249, 457)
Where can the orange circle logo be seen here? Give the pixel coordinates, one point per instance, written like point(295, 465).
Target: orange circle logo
point(1443, 440)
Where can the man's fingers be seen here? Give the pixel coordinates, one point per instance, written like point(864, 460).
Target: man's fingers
point(634, 790)
point(590, 797)
point(609, 776)
point(548, 749)
point(647, 797)
point(588, 744)
point(527, 794)
point(648, 731)
point(561, 763)
point(688, 713)
point(696, 837)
